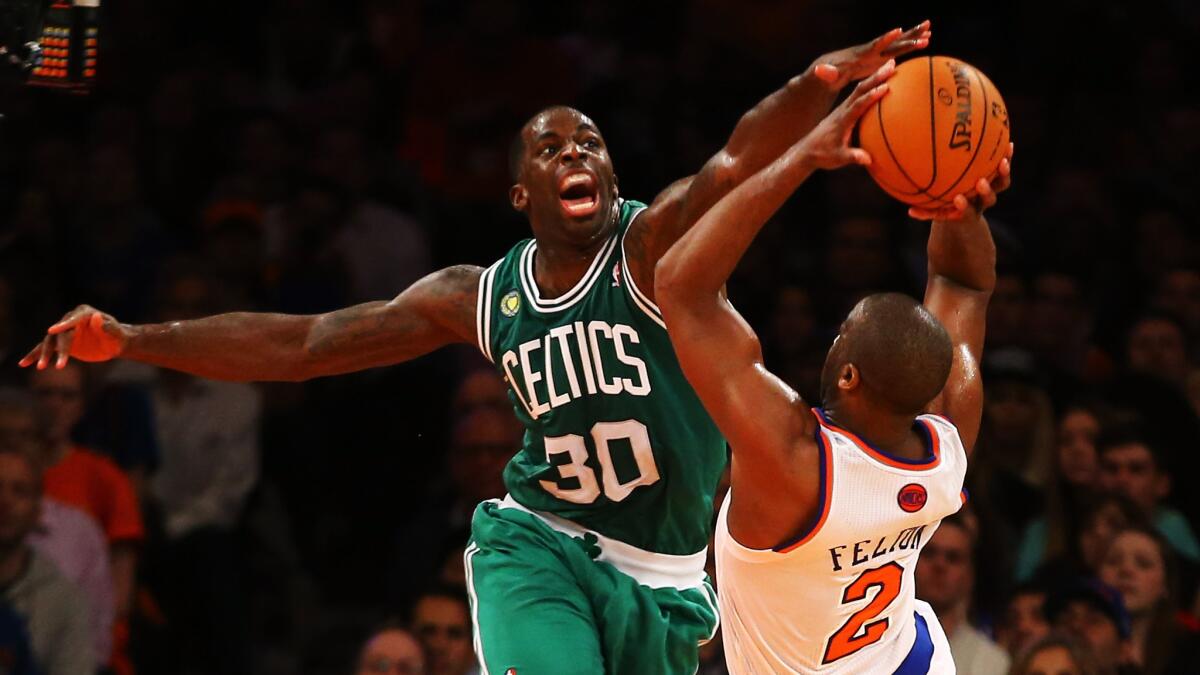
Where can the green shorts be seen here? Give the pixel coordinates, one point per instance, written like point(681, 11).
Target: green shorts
point(545, 602)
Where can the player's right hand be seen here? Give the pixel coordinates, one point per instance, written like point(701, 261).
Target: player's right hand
point(840, 68)
point(84, 333)
point(828, 145)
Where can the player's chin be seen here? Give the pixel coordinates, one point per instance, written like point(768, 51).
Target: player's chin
point(585, 218)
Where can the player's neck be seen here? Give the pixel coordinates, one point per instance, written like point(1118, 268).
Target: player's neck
point(558, 266)
point(891, 433)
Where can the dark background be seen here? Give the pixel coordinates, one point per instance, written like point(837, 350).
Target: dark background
point(302, 112)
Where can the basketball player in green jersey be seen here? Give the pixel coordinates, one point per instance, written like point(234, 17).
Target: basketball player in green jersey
point(594, 562)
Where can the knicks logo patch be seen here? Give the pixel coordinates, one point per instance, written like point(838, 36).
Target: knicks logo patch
point(510, 304)
point(912, 497)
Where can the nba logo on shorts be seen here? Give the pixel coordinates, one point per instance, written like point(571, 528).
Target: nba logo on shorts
point(912, 497)
point(511, 671)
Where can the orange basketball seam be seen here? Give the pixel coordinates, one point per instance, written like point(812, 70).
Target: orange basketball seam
point(888, 144)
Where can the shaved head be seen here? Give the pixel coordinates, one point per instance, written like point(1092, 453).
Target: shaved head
point(516, 150)
point(902, 352)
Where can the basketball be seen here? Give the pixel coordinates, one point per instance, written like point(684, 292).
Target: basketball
point(941, 127)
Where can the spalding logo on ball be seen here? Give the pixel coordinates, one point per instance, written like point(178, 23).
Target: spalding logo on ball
point(941, 127)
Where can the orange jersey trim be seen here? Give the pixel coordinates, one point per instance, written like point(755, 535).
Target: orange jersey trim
point(825, 488)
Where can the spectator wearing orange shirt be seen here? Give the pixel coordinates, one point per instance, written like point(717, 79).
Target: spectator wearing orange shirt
point(89, 481)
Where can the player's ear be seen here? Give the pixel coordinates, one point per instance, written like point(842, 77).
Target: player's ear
point(616, 186)
point(849, 377)
point(518, 196)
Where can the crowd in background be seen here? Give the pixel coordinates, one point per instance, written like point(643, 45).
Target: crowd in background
point(304, 155)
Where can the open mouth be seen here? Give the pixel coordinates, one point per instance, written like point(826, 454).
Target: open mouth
point(578, 194)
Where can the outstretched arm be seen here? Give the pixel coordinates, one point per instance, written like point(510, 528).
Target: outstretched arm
point(761, 136)
point(962, 275)
point(435, 311)
point(767, 423)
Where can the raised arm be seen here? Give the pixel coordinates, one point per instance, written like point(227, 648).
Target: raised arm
point(242, 347)
point(962, 275)
point(761, 136)
point(767, 423)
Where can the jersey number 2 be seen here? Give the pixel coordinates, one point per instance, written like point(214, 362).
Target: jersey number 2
point(603, 434)
point(859, 630)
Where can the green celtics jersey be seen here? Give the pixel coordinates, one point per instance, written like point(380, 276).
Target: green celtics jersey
point(615, 438)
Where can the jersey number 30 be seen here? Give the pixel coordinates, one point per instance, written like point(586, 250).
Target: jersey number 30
point(572, 448)
point(861, 629)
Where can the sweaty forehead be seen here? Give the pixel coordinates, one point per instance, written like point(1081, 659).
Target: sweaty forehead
point(560, 121)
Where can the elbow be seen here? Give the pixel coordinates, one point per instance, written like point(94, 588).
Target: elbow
point(667, 282)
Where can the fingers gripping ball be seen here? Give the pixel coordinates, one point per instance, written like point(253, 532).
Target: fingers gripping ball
point(942, 127)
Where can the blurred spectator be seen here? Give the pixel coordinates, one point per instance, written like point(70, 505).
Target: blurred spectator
point(1074, 475)
point(1060, 330)
point(307, 275)
point(792, 345)
point(859, 260)
point(945, 579)
point(1023, 620)
point(1157, 345)
point(1017, 441)
point(1093, 613)
point(1132, 465)
point(480, 388)
point(78, 477)
point(1056, 654)
point(73, 541)
point(119, 422)
point(391, 650)
point(483, 442)
point(208, 434)
point(1140, 565)
point(441, 620)
point(15, 652)
point(382, 249)
point(54, 610)
point(1021, 426)
point(234, 249)
point(1102, 517)
point(1178, 293)
point(118, 239)
point(1008, 313)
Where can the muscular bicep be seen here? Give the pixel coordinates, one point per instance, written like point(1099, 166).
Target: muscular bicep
point(963, 312)
point(437, 310)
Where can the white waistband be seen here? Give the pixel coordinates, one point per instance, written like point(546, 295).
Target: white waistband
point(656, 570)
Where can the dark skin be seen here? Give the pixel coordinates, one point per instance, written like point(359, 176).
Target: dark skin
point(440, 308)
point(775, 464)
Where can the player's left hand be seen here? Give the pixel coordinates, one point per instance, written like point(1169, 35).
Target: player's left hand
point(837, 69)
point(978, 200)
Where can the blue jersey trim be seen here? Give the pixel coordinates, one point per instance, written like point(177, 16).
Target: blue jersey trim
point(923, 428)
point(822, 473)
point(921, 655)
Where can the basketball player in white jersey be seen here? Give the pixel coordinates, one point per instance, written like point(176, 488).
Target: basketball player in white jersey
point(829, 507)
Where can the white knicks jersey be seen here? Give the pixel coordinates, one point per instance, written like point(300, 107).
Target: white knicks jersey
point(841, 598)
